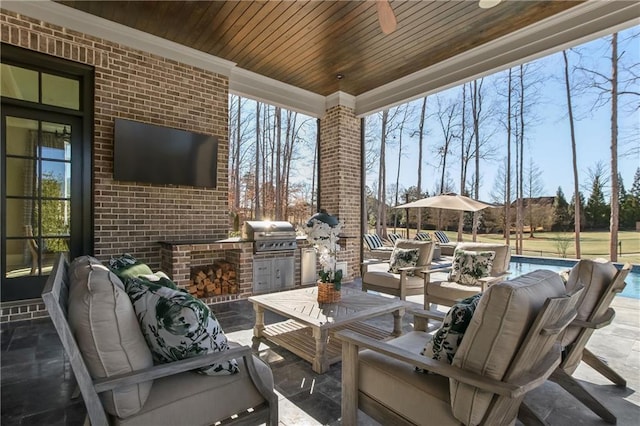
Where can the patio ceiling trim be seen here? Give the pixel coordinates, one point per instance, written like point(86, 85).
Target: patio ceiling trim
point(585, 22)
point(264, 89)
point(73, 19)
point(579, 24)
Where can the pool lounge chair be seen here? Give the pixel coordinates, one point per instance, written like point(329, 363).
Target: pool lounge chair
point(446, 245)
point(423, 236)
point(375, 248)
point(393, 237)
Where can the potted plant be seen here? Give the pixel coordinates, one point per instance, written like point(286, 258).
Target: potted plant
point(323, 233)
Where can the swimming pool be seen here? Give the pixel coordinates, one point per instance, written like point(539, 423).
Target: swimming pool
point(521, 265)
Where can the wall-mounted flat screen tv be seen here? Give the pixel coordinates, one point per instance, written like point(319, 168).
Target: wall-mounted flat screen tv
point(161, 155)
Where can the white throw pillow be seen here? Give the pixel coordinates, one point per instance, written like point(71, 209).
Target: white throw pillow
point(177, 325)
point(469, 266)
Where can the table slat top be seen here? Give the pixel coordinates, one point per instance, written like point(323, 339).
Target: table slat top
point(302, 305)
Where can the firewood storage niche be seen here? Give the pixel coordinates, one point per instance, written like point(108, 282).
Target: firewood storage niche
point(217, 279)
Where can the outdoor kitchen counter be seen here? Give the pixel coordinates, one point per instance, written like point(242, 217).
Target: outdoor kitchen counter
point(177, 258)
point(196, 245)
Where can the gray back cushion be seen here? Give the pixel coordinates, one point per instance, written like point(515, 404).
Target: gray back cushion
point(105, 326)
point(498, 327)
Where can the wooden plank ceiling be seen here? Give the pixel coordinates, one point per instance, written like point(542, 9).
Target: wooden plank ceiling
point(308, 43)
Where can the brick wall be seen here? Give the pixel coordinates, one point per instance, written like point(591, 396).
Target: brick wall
point(340, 178)
point(131, 84)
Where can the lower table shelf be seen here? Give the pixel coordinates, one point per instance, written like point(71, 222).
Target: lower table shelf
point(299, 339)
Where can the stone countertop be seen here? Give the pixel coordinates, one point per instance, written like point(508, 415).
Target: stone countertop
point(232, 240)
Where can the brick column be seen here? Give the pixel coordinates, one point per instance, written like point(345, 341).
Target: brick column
point(340, 178)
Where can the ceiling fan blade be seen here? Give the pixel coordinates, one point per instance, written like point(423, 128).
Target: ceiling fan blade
point(386, 17)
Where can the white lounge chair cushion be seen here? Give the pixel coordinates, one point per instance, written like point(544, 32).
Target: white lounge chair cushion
point(595, 276)
point(421, 398)
point(195, 399)
point(501, 320)
point(106, 328)
point(450, 290)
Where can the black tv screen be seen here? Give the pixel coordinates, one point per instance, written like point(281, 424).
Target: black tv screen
point(161, 155)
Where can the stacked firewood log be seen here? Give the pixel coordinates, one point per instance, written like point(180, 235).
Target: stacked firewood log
point(213, 280)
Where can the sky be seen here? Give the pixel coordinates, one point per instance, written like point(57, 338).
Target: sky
point(548, 143)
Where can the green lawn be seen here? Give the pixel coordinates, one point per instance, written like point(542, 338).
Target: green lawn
point(549, 244)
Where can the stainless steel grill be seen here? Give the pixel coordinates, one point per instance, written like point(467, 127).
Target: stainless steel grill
point(270, 236)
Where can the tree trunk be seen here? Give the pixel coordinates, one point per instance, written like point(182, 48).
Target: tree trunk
point(576, 183)
point(396, 212)
point(476, 106)
point(462, 157)
point(507, 210)
point(236, 168)
point(420, 140)
point(520, 224)
point(256, 213)
point(615, 194)
point(381, 224)
point(278, 180)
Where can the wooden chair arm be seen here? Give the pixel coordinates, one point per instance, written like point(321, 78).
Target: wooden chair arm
point(486, 282)
point(373, 262)
point(538, 376)
point(364, 266)
point(491, 385)
point(171, 368)
point(424, 313)
point(604, 320)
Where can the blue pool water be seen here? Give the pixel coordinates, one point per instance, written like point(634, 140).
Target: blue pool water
point(521, 265)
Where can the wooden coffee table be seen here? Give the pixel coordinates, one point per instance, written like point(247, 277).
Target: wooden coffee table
point(309, 332)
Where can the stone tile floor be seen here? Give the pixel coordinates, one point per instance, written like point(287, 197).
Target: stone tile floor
point(36, 380)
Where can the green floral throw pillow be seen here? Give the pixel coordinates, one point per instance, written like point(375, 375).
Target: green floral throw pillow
point(127, 266)
point(469, 266)
point(177, 326)
point(447, 338)
point(402, 258)
point(158, 278)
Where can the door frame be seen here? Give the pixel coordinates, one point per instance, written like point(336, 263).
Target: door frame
point(82, 237)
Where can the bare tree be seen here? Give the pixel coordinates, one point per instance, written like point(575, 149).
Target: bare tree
point(445, 116)
point(381, 228)
point(476, 111)
point(278, 154)
point(573, 153)
point(608, 90)
point(465, 148)
point(406, 114)
point(533, 188)
point(507, 200)
point(256, 204)
point(421, 133)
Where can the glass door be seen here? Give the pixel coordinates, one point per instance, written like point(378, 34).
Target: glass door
point(37, 186)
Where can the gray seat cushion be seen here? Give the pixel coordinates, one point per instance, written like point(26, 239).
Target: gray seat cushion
point(195, 399)
point(420, 398)
point(379, 275)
